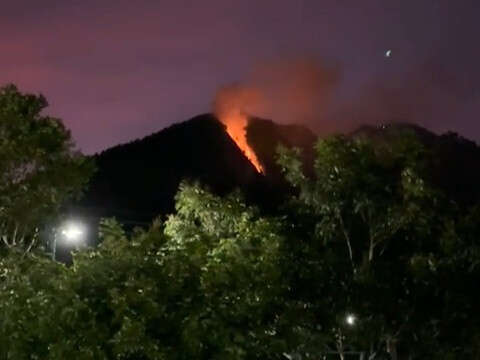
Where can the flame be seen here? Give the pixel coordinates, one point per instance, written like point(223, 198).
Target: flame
point(231, 105)
point(236, 124)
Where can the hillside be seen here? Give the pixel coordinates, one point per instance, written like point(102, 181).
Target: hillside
point(265, 135)
point(137, 181)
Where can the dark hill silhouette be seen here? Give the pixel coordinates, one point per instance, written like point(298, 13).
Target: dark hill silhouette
point(265, 135)
point(137, 181)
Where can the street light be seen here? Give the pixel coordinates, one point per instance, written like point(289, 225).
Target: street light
point(350, 319)
point(72, 232)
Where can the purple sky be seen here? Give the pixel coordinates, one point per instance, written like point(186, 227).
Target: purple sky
point(116, 70)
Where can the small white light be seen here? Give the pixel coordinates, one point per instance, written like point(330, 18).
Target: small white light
point(72, 232)
point(388, 53)
point(351, 319)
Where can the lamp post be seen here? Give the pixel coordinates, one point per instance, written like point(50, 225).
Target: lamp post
point(71, 232)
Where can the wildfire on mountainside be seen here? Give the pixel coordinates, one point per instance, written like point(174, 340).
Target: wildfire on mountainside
point(236, 127)
point(231, 104)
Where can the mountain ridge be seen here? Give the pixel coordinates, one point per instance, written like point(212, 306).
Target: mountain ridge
point(137, 181)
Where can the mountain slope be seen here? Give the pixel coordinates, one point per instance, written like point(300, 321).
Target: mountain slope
point(137, 181)
point(264, 137)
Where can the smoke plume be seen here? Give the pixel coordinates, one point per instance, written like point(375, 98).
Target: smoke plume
point(286, 91)
point(289, 91)
point(303, 91)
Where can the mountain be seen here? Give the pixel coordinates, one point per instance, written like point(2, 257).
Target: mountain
point(137, 181)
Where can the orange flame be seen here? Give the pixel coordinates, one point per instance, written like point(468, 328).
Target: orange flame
point(231, 104)
point(236, 124)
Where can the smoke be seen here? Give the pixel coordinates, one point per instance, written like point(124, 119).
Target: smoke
point(237, 100)
point(303, 91)
point(430, 94)
point(287, 91)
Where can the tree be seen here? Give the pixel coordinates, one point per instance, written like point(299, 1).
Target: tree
point(111, 303)
point(366, 237)
point(39, 168)
point(229, 256)
point(375, 226)
point(204, 285)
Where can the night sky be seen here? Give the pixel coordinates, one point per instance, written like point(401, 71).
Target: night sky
point(117, 70)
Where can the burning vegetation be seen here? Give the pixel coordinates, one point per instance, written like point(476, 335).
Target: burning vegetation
point(236, 124)
point(231, 107)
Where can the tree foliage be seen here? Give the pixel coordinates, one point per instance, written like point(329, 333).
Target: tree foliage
point(383, 231)
point(39, 168)
point(203, 285)
point(366, 235)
